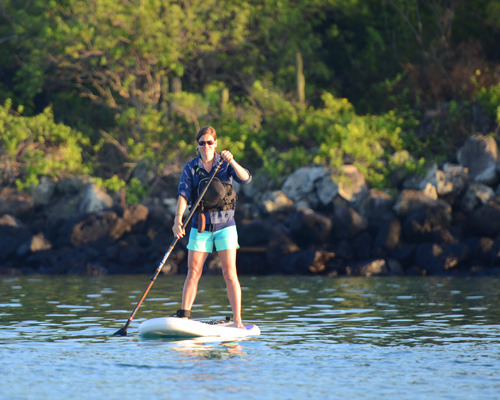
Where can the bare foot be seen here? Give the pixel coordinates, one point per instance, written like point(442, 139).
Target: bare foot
point(240, 325)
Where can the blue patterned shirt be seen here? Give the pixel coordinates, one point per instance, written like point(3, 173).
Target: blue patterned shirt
point(190, 180)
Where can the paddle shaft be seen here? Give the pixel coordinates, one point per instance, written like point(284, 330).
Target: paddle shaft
point(123, 331)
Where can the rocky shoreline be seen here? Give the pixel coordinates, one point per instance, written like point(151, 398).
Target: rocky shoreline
point(445, 223)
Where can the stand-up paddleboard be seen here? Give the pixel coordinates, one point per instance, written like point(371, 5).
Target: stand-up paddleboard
point(173, 327)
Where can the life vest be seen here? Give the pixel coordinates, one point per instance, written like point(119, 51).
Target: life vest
point(218, 197)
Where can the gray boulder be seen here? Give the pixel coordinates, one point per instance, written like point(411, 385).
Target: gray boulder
point(377, 267)
point(475, 195)
point(411, 200)
point(347, 222)
point(485, 220)
point(308, 227)
point(326, 189)
point(300, 185)
point(95, 199)
point(449, 181)
point(43, 192)
point(377, 205)
point(13, 233)
point(480, 155)
point(352, 186)
point(436, 259)
point(15, 202)
point(275, 201)
point(36, 243)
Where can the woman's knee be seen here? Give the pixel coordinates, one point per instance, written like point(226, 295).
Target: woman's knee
point(194, 271)
point(195, 265)
point(230, 275)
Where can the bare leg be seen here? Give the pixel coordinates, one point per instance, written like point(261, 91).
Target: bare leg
point(228, 260)
point(196, 259)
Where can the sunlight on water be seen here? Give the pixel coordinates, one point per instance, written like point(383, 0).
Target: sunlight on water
point(395, 338)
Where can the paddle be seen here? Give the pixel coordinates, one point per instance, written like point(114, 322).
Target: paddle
point(123, 331)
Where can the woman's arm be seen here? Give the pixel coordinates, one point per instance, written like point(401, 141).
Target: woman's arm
point(181, 208)
point(241, 172)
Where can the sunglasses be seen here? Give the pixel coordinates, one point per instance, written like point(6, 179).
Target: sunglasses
point(208, 142)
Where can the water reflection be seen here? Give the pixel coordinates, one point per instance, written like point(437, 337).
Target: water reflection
point(385, 311)
point(200, 349)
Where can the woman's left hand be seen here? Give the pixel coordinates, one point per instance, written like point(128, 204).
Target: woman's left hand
point(227, 156)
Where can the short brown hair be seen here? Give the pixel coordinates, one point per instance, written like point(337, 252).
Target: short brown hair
point(206, 130)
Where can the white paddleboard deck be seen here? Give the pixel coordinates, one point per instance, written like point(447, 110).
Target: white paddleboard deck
point(173, 327)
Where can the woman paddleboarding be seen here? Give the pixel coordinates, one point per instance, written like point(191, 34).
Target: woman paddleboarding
point(213, 223)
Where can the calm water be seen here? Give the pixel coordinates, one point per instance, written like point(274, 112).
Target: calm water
point(322, 338)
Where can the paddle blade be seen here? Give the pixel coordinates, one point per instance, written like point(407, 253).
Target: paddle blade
point(121, 332)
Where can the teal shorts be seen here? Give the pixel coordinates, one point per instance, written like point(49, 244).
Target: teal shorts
point(226, 238)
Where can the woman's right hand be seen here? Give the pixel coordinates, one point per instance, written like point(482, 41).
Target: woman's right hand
point(177, 228)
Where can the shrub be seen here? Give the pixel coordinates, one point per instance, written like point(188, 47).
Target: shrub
point(37, 146)
point(489, 98)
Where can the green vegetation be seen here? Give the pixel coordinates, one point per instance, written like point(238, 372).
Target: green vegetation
point(107, 87)
point(37, 146)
